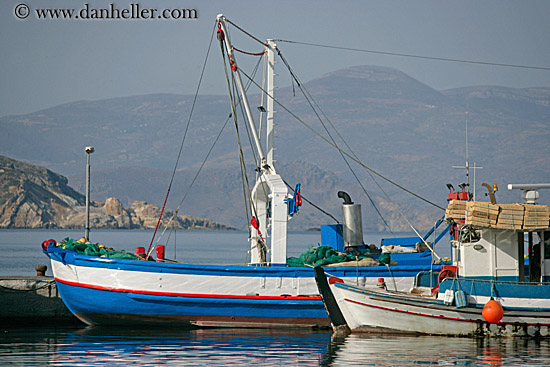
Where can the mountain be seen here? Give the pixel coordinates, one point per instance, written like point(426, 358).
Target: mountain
point(403, 129)
point(35, 197)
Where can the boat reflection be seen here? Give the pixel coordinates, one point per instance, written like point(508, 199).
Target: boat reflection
point(400, 350)
point(266, 347)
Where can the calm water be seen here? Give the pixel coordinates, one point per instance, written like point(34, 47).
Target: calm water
point(85, 346)
point(235, 347)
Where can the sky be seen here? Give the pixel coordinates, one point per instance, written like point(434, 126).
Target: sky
point(48, 62)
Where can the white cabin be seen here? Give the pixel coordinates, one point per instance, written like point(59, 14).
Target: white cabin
point(492, 253)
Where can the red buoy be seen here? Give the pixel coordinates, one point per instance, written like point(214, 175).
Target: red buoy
point(492, 312)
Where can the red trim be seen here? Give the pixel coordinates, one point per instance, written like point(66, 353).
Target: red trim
point(413, 313)
point(445, 317)
point(191, 295)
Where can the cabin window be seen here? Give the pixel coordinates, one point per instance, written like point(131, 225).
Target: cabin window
point(469, 235)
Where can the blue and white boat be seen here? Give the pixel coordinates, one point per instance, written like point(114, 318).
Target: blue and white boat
point(488, 291)
point(263, 293)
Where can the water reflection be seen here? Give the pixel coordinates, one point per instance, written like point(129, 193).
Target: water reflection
point(152, 347)
point(398, 350)
point(227, 347)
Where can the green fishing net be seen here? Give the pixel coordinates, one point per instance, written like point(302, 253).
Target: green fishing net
point(94, 249)
point(322, 255)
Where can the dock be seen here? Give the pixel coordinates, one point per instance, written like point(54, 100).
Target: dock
point(32, 300)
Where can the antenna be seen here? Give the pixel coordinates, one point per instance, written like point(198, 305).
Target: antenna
point(467, 165)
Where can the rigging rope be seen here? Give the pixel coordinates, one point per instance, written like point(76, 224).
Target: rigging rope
point(308, 96)
point(416, 56)
point(204, 162)
point(311, 203)
point(299, 84)
point(245, 32)
point(182, 142)
point(344, 152)
point(244, 181)
point(249, 53)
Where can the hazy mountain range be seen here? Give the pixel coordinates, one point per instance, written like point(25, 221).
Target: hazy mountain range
point(401, 128)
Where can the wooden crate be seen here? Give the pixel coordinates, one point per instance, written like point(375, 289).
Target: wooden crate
point(481, 214)
point(510, 216)
point(536, 216)
point(456, 209)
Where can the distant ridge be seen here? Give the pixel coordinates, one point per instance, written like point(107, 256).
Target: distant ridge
point(396, 125)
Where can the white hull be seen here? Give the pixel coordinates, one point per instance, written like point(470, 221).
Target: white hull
point(368, 310)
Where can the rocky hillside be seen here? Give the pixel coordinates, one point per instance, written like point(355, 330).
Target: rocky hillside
point(35, 197)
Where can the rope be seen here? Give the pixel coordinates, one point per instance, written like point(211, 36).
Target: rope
point(313, 205)
point(343, 152)
point(234, 116)
point(307, 96)
point(249, 53)
point(182, 142)
point(201, 167)
point(45, 285)
point(417, 56)
point(245, 32)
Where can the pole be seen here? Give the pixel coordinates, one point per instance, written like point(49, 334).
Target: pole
point(221, 21)
point(89, 150)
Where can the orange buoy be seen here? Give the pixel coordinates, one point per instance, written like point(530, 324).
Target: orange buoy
point(492, 312)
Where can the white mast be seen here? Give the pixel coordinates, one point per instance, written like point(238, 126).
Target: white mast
point(271, 46)
point(221, 21)
point(270, 189)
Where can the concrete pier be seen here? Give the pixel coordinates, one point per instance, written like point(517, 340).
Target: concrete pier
point(32, 300)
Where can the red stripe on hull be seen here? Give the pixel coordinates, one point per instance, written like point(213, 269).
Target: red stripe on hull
point(194, 295)
point(445, 317)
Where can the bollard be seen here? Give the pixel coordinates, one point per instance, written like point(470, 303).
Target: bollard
point(140, 251)
point(40, 270)
point(160, 252)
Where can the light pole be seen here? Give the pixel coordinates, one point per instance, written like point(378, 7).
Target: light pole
point(89, 150)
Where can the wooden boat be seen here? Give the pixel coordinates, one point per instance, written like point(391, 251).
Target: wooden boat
point(103, 290)
point(486, 292)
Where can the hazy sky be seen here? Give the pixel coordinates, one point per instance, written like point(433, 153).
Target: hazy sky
point(44, 63)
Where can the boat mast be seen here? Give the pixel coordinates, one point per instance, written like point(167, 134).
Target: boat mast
point(270, 192)
point(88, 150)
point(230, 53)
point(270, 47)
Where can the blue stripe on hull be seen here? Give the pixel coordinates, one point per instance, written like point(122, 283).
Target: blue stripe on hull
point(86, 301)
point(70, 257)
point(476, 287)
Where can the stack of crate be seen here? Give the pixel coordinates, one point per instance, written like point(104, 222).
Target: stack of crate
point(503, 216)
point(536, 217)
point(481, 214)
point(511, 216)
point(456, 209)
